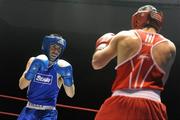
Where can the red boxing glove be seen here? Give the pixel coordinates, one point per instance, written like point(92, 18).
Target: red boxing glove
point(104, 41)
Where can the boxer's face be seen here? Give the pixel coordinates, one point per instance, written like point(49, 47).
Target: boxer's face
point(54, 51)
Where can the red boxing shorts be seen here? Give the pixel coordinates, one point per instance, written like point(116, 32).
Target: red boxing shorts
point(131, 108)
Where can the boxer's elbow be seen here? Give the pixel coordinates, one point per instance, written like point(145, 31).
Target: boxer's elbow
point(96, 65)
point(70, 91)
point(97, 61)
point(21, 86)
point(23, 83)
point(71, 95)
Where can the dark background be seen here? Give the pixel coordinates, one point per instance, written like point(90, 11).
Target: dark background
point(23, 23)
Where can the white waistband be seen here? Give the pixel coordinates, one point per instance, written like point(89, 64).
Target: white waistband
point(148, 94)
point(39, 107)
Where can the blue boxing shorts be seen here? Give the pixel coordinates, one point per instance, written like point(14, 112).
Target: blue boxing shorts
point(33, 114)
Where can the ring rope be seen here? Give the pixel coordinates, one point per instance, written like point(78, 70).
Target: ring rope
point(8, 113)
point(58, 105)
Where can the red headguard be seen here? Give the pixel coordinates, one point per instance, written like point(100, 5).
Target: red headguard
point(147, 16)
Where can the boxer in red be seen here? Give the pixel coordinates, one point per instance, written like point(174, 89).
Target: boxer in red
point(144, 59)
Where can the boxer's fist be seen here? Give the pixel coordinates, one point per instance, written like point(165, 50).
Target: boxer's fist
point(39, 63)
point(104, 41)
point(65, 69)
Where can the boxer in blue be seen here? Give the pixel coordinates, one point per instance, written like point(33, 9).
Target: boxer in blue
point(44, 76)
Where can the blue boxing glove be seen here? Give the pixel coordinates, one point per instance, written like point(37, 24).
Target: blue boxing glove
point(65, 70)
point(39, 63)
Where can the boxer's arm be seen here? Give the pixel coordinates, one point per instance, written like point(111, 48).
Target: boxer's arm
point(64, 69)
point(70, 91)
point(170, 59)
point(23, 82)
point(33, 66)
point(102, 57)
point(172, 54)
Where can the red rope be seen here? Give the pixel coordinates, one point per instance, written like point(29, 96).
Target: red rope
point(58, 105)
point(75, 107)
point(7, 113)
point(11, 97)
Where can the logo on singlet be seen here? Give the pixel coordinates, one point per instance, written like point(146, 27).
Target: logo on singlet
point(44, 79)
point(149, 39)
point(143, 56)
